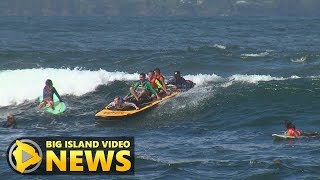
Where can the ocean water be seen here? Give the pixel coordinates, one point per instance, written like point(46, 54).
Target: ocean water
point(251, 75)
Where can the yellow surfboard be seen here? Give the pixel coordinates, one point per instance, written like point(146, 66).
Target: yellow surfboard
point(107, 113)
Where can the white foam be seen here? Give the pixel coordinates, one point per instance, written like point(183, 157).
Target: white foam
point(257, 78)
point(22, 85)
point(241, 2)
point(299, 60)
point(263, 54)
point(254, 78)
point(201, 79)
point(220, 46)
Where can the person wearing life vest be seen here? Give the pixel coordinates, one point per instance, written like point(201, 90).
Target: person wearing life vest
point(160, 77)
point(142, 89)
point(180, 82)
point(48, 92)
point(156, 84)
point(119, 104)
point(291, 129)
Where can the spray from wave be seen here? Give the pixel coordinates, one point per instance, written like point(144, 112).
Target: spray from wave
point(219, 46)
point(258, 78)
point(263, 54)
point(18, 86)
point(299, 60)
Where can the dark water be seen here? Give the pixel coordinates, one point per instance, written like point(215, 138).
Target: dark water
point(251, 74)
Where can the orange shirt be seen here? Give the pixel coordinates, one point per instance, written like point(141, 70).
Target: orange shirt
point(293, 132)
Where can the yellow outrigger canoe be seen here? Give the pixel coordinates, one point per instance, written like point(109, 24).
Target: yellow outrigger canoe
point(108, 113)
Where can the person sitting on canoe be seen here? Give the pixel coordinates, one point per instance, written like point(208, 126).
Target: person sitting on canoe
point(48, 92)
point(142, 89)
point(156, 84)
point(180, 82)
point(160, 77)
point(119, 103)
point(292, 131)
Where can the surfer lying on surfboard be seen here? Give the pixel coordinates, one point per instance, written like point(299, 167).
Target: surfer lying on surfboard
point(119, 103)
point(292, 131)
point(48, 92)
point(180, 82)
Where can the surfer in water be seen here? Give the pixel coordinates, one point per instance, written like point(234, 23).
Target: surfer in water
point(119, 103)
point(48, 92)
point(11, 122)
point(292, 131)
point(180, 82)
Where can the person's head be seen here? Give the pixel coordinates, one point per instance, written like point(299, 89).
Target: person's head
point(11, 119)
point(49, 83)
point(289, 124)
point(177, 74)
point(117, 100)
point(150, 74)
point(142, 76)
point(156, 71)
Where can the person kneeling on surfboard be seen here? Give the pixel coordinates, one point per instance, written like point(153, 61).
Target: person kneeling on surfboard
point(156, 84)
point(292, 131)
point(180, 82)
point(142, 89)
point(119, 103)
point(48, 92)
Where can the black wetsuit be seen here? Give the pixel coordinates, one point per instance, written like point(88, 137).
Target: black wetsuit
point(181, 83)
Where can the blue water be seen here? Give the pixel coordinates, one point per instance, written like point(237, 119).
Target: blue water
point(251, 75)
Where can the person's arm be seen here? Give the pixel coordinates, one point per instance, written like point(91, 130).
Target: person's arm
point(110, 105)
point(136, 85)
point(57, 94)
point(131, 104)
point(163, 82)
point(162, 87)
point(148, 86)
point(183, 80)
point(171, 81)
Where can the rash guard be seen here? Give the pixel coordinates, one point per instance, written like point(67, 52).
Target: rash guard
point(48, 93)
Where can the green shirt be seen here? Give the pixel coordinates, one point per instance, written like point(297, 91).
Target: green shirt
point(147, 85)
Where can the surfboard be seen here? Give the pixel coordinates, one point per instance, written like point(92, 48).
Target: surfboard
point(59, 107)
point(110, 114)
point(281, 136)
